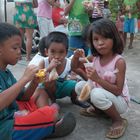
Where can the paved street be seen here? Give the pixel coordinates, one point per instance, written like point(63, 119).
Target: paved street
point(95, 128)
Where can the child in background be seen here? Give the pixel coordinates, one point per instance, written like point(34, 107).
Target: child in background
point(41, 54)
point(106, 10)
point(56, 48)
point(131, 11)
point(22, 115)
point(97, 12)
point(44, 16)
point(59, 19)
point(120, 24)
point(110, 94)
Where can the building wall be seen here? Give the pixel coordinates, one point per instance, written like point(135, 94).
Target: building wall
point(1, 10)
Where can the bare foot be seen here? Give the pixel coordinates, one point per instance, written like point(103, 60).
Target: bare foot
point(92, 112)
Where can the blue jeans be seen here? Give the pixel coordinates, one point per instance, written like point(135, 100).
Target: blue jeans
point(77, 42)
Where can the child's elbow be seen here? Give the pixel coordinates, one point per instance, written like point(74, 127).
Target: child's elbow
point(2, 106)
point(119, 91)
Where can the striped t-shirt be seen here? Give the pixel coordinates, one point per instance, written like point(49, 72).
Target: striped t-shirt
point(98, 8)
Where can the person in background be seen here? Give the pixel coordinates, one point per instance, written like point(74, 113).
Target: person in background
point(109, 93)
point(77, 19)
point(41, 53)
point(97, 12)
point(25, 20)
point(120, 24)
point(106, 10)
point(44, 16)
point(131, 10)
point(59, 19)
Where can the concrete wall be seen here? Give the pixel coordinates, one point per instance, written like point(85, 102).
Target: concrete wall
point(9, 11)
point(1, 10)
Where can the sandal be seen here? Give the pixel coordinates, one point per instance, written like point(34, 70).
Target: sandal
point(116, 132)
point(88, 112)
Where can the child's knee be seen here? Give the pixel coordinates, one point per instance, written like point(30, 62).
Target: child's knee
point(95, 95)
point(55, 109)
point(79, 86)
point(99, 99)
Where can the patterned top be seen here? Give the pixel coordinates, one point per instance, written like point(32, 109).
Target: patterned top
point(78, 19)
point(6, 115)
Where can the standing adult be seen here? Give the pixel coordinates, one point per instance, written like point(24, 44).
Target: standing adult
point(131, 9)
point(44, 16)
point(77, 19)
point(25, 19)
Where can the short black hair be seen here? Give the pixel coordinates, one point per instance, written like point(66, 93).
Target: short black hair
point(106, 3)
point(7, 31)
point(85, 34)
point(107, 29)
point(54, 36)
point(42, 46)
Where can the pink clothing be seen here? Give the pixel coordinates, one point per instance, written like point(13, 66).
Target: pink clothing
point(44, 9)
point(108, 73)
point(119, 23)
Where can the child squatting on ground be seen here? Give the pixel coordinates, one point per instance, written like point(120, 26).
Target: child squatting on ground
point(56, 48)
point(109, 93)
point(22, 114)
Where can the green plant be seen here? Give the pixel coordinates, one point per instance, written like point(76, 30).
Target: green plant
point(115, 6)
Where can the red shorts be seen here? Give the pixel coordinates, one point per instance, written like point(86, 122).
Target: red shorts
point(37, 124)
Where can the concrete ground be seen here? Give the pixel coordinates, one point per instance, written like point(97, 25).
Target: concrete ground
point(96, 128)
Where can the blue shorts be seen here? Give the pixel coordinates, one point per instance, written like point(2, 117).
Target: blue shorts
point(129, 25)
point(32, 133)
point(77, 42)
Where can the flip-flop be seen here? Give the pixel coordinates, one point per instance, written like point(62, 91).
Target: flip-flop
point(87, 113)
point(65, 127)
point(122, 129)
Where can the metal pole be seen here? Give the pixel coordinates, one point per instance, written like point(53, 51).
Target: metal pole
point(5, 10)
